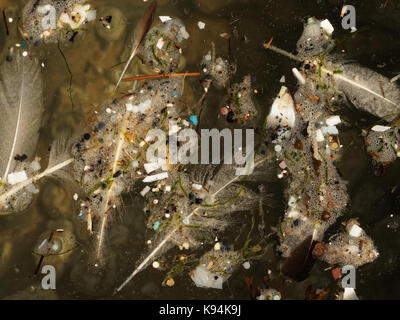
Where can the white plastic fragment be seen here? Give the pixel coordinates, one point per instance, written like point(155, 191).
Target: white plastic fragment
point(201, 25)
point(379, 128)
point(332, 130)
point(17, 177)
point(298, 76)
point(333, 121)
point(160, 43)
point(141, 107)
point(355, 231)
point(327, 26)
point(282, 80)
point(204, 278)
point(145, 190)
point(197, 186)
point(156, 177)
point(75, 196)
point(165, 18)
point(246, 265)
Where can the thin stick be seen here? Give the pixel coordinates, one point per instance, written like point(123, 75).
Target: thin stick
point(270, 46)
point(155, 76)
point(5, 22)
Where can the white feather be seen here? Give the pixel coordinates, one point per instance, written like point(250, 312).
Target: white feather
point(220, 183)
point(21, 108)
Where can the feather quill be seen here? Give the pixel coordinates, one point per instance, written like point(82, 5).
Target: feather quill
point(109, 161)
point(21, 108)
point(221, 191)
point(18, 196)
point(140, 32)
point(365, 88)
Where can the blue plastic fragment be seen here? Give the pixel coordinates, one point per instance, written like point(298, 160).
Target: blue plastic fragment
point(156, 225)
point(174, 93)
point(193, 119)
point(23, 44)
point(80, 214)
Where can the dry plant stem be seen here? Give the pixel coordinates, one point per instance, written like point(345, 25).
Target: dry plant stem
point(34, 179)
point(117, 156)
point(283, 53)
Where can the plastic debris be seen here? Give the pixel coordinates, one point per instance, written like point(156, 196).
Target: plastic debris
point(165, 18)
point(16, 177)
point(161, 51)
point(282, 117)
point(224, 263)
point(352, 248)
point(299, 76)
point(69, 18)
point(193, 119)
point(379, 128)
point(201, 25)
point(327, 26)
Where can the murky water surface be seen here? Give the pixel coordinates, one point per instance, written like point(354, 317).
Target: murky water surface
point(94, 62)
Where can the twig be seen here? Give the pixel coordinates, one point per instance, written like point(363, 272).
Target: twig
point(289, 55)
point(155, 76)
point(5, 22)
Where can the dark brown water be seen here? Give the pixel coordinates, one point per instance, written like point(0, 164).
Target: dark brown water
point(250, 22)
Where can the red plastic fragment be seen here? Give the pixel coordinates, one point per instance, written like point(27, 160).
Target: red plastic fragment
point(336, 273)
